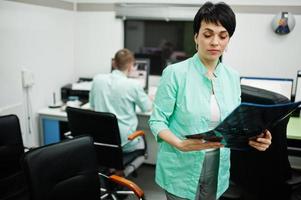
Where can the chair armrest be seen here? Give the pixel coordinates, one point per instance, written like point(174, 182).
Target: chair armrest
point(294, 181)
point(127, 183)
point(29, 148)
point(136, 134)
point(68, 135)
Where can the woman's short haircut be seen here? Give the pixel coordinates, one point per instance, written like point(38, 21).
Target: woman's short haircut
point(215, 13)
point(122, 58)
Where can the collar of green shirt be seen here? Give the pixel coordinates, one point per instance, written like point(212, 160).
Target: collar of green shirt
point(119, 73)
point(202, 69)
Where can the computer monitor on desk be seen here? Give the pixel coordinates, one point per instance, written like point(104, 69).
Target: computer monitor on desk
point(156, 64)
point(297, 113)
point(298, 87)
point(279, 85)
point(140, 72)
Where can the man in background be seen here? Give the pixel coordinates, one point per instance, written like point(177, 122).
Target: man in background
point(117, 94)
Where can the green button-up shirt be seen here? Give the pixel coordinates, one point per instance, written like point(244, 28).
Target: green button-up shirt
point(115, 93)
point(182, 105)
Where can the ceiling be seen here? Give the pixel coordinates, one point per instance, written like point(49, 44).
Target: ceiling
point(196, 2)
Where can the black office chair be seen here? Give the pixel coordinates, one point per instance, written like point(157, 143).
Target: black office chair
point(65, 170)
point(12, 183)
point(262, 175)
point(103, 127)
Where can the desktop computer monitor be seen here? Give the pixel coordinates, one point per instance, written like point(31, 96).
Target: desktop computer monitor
point(156, 64)
point(279, 85)
point(140, 72)
point(297, 113)
point(298, 87)
point(298, 91)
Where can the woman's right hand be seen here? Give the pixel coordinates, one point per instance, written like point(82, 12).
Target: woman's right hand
point(187, 144)
point(196, 144)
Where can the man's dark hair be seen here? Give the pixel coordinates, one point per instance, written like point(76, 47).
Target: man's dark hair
point(215, 13)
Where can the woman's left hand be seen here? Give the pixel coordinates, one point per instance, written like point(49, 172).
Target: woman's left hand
point(262, 141)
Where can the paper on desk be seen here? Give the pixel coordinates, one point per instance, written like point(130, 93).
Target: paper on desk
point(86, 85)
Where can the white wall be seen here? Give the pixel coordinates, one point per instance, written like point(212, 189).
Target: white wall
point(98, 35)
point(59, 46)
point(255, 50)
point(41, 40)
point(231, 2)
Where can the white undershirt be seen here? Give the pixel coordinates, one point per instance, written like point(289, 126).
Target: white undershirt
point(214, 113)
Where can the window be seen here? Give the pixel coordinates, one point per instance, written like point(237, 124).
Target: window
point(162, 42)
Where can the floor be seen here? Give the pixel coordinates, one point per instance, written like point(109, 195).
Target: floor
point(146, 180)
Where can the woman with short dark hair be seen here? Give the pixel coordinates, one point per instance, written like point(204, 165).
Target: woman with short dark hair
point(193, 97)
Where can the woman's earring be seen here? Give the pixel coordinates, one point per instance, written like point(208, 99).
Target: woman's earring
point(196, 46)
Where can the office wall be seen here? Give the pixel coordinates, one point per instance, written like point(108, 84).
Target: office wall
point(59, 46)
point(98, 35)
point(255, 50)
point(40, 39)
point(240, 2)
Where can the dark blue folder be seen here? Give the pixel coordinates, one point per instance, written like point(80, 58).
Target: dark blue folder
point(246, 122)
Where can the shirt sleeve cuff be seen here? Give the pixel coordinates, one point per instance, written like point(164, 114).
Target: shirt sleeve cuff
point(156, 128)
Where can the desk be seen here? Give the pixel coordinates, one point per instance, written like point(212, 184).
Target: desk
point(294, 128)
point(294, 141)
point(53, 124)
point(49, 125)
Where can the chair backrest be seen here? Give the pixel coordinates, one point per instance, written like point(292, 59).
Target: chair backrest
point(103, 127)
point(65, 170)
point(12, 183)
point(263, 172)
point(11, 145)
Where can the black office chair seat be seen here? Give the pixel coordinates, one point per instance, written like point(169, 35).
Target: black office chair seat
point(69, 170)
point(131, 156)
point(13, 187)
point(132, 160)
point(61, 171)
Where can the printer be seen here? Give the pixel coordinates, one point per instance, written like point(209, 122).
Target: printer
point(79, 90)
